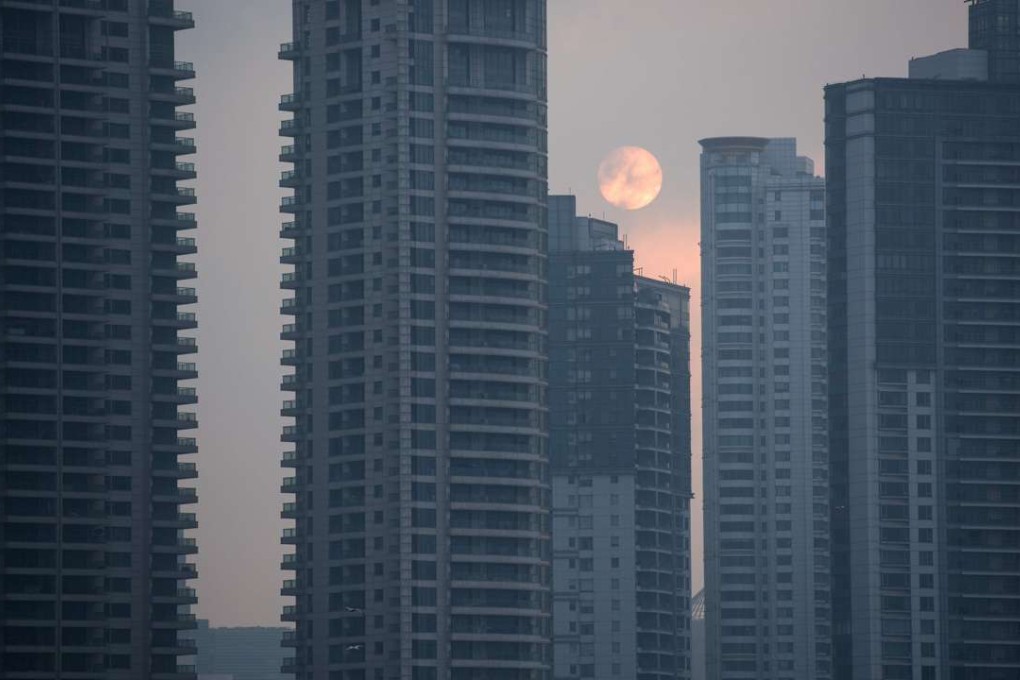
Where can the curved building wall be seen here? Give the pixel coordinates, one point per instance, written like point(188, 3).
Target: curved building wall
point(421, 476)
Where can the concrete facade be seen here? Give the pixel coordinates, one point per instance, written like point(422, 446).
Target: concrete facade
point(93, 552)
point(419, 440)
point(620, 450)
point(764, 412)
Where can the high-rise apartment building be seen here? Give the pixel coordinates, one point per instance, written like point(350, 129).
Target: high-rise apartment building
point(619, 426)
point(767, 611)
point(419, 442)
point(924, 350)
point(92, 553)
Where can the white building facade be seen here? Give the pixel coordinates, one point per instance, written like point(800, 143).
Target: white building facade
point(767, 606)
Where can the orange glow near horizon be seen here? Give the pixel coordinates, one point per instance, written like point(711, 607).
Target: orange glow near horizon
point(630, 178)
point(660, 247)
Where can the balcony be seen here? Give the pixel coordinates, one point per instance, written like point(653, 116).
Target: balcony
point(289, 306)
point(290, 536)
point(289, 383)
point(290, 50)
point(186, 370)
point(162, 12)
point(182, 621)
point(181, 70)
point(180, 596)
point(181, 221)
point(181, 146)
point(288, 153)
point(289, 280)
point(289, 458)
point(289, 358)
point(182, 96)
point(185, 245)
point(86, 6)
point(180, 295)
point(187, 471)
point(184, 520)
point(289, 204)
point(186, 445)
point(290, 128)
point(290, 179)
point(185, 346)
point(185, 496)
point(290, 102)
point(185, 270)
point(185, 220)
point(179, 196)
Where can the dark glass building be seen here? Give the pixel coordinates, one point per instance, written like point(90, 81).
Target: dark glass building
point(419, 440)
point(619, 417)
point(995, 29)
point(924, 349)
point(93, 557)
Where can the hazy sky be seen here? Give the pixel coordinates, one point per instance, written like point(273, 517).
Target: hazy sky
point(654, 73)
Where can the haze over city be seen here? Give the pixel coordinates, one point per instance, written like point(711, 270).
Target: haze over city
point(509, 340)
point(656, 73)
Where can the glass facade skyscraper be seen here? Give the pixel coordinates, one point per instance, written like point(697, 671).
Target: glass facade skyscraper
point(924, 337)
point(419, 440)
point(93, 560)
point(767, 609)
point(619, 415)
point(995, 29)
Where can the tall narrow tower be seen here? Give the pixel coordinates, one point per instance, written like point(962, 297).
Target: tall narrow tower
point(420, 473)
point(995, 28)
point(767, 610)
point(619, 418)
point(92, 552)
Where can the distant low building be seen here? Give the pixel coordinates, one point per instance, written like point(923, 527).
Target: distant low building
point(697, 636)
point(252, 653)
